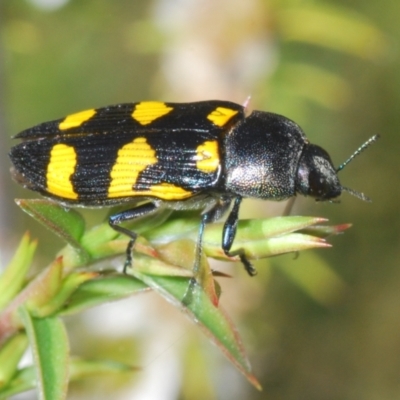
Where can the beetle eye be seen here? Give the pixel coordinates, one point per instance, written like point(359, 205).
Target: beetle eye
point(317, 186)
point(322, 188)
point(316, 175)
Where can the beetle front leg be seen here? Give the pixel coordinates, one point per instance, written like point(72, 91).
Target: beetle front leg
point(228, 236)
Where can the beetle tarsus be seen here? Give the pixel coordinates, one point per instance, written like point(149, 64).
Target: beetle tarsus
point(248, 266)
point(128, 260)
point(188, 296)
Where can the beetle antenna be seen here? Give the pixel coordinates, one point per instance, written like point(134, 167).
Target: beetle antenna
point(359, 195)
point(371, 140)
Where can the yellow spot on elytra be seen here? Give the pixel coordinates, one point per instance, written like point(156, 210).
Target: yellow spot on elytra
point(221, 115)
point(77, 119)
point(132, 159)
point(61, 166)
point(207, 157)
point(148, 111)
point(168, 191)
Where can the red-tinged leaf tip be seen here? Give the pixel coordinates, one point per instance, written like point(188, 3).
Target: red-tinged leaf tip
point(341, 228)
point(254, 381)
point(145, 249)
point(86, 275)
point(319, 220)
point(220, 274)
point(319, 242)
point(26, 238)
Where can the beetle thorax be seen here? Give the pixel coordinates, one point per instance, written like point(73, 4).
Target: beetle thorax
point(261, 157)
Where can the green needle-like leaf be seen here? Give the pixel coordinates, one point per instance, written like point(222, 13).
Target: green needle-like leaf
point(25, 378)
point(200, 309)
point(67, 224)
point(14, 275)
point(49, 344)
point(264, 238)
point(101, 290)
point(44, 287)
point(80, 368)
point(10, 355)
point(68, 286)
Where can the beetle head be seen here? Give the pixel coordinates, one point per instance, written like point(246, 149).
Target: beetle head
point(317, 177)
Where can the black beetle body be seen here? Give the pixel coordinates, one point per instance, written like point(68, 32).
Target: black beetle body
point(203, 155)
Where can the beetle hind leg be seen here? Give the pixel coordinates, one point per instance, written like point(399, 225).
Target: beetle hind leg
point(128, 215)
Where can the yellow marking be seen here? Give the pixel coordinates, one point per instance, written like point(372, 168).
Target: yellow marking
point(132, 159)
point(167, 191)
point(77, 119)
point(221, 115)
point(148, 111)
point(207, 157)
point(61, 166)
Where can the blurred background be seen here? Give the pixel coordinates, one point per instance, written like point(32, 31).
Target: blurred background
point(323, 326)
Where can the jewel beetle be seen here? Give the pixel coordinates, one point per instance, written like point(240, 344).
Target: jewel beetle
point(207, 155)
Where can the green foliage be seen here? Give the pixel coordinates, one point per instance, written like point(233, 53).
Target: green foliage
point(163, 260)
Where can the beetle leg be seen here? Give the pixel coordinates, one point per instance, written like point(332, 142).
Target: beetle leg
point(129, 215)
point(211, 215)
point(289, 206)
point(228, 236)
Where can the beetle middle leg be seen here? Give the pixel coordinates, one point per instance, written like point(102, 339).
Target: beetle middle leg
point(228, 236)
point(211, 215)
